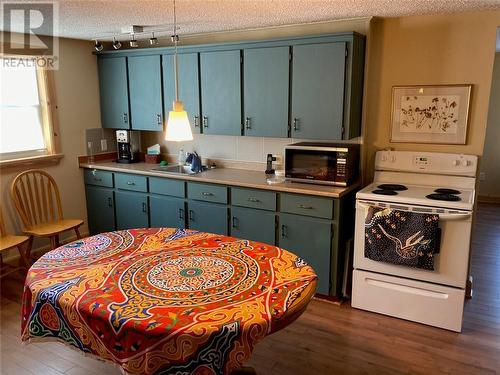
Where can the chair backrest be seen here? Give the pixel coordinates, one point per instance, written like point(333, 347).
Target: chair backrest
point(3, 232)
point(36, 198)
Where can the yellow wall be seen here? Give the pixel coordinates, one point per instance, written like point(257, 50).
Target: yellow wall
point(77, 98)
point(490, 165)
point(435, 49)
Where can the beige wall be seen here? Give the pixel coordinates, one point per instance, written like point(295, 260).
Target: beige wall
point(490, 165)
point(77, 100)
point(436, 49)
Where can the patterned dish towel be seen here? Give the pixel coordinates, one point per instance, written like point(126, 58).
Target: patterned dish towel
point(406, 238)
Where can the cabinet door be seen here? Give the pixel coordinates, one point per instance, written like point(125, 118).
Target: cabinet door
point(113, 89)
point(100, 209)
point(146, 106)
point(207, 217)
point(309, 239)
point(318, 90)
point(251, 224)
point(166, 212)
point(266, 78)
point(131, 210)
point(221, 92)
point(189, 86)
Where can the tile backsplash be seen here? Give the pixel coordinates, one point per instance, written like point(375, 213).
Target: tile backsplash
point(244, 149)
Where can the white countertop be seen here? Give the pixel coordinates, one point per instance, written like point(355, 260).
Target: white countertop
point(226, 176)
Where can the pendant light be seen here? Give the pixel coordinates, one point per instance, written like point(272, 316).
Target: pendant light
point(178, 127)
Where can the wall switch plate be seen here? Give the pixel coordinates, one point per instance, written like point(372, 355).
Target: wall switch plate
point(482, 176)
point(104, 145)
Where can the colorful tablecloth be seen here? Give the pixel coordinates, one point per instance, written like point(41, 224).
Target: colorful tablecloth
point(161, 301)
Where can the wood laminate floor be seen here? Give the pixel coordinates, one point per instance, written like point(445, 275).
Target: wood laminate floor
point(326, 339)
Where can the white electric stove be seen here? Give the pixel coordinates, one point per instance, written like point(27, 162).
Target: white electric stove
point(427, 183)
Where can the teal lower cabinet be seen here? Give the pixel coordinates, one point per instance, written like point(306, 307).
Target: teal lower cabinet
point(251, 224)
point(310, 239)
point(207, 217)
point(167, 212)
point(100, 209)
point(131, 210)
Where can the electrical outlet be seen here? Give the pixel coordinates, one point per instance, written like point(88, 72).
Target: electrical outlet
point(104, 145)
point(279, 159)
point(482, 176)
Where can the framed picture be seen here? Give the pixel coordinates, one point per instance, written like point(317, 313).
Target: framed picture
point(430, 114)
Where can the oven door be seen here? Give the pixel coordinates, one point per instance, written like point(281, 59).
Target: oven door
point(310, 165)
point(450, 265)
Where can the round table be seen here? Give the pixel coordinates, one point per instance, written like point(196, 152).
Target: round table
point(165, 300)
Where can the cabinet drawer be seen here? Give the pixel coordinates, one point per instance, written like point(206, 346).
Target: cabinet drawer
point(307, 205)
point(165, 186)
point(99, 178)
point(264, 200)
point(127, 181)
point(207, 192)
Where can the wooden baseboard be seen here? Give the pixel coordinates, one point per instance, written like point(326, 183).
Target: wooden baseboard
point(488, 199)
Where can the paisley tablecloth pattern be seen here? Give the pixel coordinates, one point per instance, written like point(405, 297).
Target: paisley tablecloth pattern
point(158, 301)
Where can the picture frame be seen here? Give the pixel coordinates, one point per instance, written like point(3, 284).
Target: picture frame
point(430, 114)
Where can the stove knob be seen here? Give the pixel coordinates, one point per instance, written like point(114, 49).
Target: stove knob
point(456, 162)
point(466, 163)
point(393, 158)
point(384, 158)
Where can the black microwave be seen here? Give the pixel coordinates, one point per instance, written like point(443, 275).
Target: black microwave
point(322, 163)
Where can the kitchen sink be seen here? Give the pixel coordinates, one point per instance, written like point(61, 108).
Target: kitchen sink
point(175, 169)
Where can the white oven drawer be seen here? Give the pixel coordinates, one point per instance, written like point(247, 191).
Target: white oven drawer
point(450, 265)
point(421, 302)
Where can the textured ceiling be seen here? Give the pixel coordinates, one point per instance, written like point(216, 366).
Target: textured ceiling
point(84, 19)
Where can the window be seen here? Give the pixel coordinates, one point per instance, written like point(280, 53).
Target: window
point(25, 120)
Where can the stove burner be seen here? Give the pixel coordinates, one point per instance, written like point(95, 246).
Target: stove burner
point(443, 197)
point(447, 191)
point(384, 192)
point(395, 187)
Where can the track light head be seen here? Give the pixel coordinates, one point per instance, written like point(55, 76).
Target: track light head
point(116, 44)
point(98, 46)
point(133, 42)
point(153, 40)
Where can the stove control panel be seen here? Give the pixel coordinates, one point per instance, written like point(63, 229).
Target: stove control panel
point(427, 162)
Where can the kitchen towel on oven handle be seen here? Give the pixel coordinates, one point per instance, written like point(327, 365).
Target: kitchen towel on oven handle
point(402, 237)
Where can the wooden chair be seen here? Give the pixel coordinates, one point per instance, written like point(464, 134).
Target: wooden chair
point(38, 203)
point(9, 241)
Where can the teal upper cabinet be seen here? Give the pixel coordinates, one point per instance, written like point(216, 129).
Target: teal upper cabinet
point(318, 79)
point(145, 92)
point(189, 86)
point(221, 92)
point(113, 87)
point(265, 82)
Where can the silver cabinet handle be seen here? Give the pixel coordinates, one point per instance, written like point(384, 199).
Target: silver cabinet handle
point(158, 117)
point(235, 221)
point(110, 202)
point(97, 179)
point(254, 200)
point(197, 121)
point(205, 121)
point(295, 123)
point(191, 215)
point(144, 207)
point(247, 123)
point(125, 117)
point(305, 207)
point(181, 213)
point(207, 194)
point(130, 183)
point(284, 231)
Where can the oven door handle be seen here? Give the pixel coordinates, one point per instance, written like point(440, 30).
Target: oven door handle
point(442, 217)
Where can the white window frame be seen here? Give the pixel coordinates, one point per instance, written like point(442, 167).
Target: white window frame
point(46, 92)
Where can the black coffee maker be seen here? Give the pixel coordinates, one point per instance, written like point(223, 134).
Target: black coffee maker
point(128, 144)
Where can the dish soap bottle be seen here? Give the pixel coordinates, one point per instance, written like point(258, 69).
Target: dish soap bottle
point(182, 157)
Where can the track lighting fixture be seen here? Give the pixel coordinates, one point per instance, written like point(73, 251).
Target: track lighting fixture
point(116, 43)
point(133, 42)
point(153, 41)
point(98, 46)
